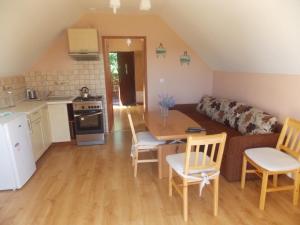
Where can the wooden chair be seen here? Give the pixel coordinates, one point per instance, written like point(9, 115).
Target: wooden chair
point(197, 167)
point(283, 159)
point(142, 142)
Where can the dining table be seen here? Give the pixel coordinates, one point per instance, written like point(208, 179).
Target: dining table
point(171, 128)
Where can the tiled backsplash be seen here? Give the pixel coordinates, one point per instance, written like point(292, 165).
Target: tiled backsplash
point(59, 83)
point(68, 83)
point(16, 84)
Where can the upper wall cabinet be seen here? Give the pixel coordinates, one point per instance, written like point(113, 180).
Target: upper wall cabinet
point(83, 43)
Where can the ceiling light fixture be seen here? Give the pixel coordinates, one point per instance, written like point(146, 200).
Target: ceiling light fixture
point(116, 4)
point(145, 5)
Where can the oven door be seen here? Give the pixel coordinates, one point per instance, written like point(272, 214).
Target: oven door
point(89, 122)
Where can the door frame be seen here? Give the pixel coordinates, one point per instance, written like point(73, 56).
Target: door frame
point(107, 75)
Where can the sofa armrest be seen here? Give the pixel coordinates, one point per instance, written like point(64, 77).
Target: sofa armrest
point(233, 158)
point(185, 108)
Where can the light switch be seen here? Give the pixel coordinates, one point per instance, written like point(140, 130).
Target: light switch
point(161, 80)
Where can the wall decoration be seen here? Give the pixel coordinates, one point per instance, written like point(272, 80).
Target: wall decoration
point(161, 51)
point(185, 58)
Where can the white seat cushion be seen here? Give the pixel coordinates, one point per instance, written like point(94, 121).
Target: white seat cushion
point(177, 162)
point(145, 138)
point(272, 159)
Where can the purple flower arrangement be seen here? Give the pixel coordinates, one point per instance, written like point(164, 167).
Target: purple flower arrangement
point(166, 101)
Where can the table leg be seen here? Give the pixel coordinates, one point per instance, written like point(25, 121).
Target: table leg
point(160, 161)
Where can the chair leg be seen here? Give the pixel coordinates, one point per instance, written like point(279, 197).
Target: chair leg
point(263, 192)
point(275, 180)
point(216, 195)
point(244, 171)
point(296, 187)
point(136, 158)
point(185, 200)
point(170, 180)
point(133, 160)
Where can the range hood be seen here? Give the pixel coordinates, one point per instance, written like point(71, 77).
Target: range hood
point(83, 43)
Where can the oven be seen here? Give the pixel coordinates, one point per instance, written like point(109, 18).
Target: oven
point(89, 122)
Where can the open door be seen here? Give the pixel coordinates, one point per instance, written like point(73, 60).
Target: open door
point(126, 77)
point(108, 43)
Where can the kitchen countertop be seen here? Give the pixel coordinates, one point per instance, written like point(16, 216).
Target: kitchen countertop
point(26, 106)
point(30, 106)
point(60, 100)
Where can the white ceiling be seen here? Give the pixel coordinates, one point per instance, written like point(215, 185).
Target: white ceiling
point(230, 35)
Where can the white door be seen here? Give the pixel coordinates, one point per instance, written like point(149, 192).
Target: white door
point(21, 149)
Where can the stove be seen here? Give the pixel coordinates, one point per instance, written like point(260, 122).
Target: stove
point(88, 99)
point(89, 120)
point(92, 102)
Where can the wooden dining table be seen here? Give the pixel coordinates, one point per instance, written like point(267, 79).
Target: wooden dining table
point(172, 129)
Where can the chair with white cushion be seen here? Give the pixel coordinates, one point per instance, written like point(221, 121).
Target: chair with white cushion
point(142, 142)
point(200, 163)
point(283, 159)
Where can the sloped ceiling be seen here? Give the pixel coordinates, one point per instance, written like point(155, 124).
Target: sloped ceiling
point(240, 35)
point(28, 27)
point(230, 35)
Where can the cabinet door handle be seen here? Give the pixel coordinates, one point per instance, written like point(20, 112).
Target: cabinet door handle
point(30, 126)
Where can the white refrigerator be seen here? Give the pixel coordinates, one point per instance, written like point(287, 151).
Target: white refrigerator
point(17, 163)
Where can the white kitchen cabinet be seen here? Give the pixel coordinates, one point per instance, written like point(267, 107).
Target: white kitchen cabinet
point(40, 131)
point(46, 127)
point(83, 40)
point(37, 138)
point(59, 122)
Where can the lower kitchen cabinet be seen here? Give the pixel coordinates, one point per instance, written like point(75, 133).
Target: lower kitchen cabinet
point(40, 131)
point(37, 138)
point(59, 122)
point(46, 127)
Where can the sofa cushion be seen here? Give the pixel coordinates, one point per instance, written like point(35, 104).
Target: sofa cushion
point(256, 121)
point(212, 127)
point(205, 104)
point(244, 118)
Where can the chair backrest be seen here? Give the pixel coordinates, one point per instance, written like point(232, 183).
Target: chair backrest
point(132, 127)
point(289, 139)
point(211, 157)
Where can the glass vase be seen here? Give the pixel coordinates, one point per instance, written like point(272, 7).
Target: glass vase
point(164, 111)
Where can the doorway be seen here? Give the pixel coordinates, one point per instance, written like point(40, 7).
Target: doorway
point(123, 76)
point(125, 73)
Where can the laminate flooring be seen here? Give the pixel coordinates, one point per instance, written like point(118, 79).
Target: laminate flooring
point(94, 185)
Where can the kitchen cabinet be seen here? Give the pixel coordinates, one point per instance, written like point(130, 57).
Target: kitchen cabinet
point(40, 131)
point(37, 138)
point(84, 40)
point(59, 122)
point(46, 127)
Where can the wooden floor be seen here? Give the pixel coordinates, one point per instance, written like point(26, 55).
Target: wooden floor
point(95, 185)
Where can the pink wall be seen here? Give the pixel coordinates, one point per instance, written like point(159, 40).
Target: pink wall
point(276, 94)
point(185, 83)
